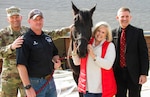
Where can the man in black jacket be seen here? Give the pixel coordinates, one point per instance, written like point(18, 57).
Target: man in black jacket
point(133, 72)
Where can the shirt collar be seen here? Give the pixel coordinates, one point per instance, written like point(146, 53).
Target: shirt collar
point(120, 29)
point(33, 34)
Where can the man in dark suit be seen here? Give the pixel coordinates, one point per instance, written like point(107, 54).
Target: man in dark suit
point(133, 72)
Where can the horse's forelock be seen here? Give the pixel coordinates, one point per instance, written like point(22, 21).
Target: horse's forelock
point(86, 16)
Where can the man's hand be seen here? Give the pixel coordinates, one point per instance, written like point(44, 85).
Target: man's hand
point(56, 61)
point(17, 43)
point(142, 79)
point(57, 64)
point(31, 92)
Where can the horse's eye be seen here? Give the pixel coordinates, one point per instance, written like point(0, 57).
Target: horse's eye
point(76, 21)
point(76, 18)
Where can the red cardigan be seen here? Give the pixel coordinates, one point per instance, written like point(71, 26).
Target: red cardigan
point(109, 87)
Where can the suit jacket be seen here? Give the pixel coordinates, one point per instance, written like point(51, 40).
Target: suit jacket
point(136, 53)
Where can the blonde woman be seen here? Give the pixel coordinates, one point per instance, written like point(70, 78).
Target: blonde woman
point(96, 73)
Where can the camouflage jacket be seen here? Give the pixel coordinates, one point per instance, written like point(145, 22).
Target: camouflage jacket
point(7, 36)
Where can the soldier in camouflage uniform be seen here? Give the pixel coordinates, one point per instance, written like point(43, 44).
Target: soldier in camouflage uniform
point(10, 39)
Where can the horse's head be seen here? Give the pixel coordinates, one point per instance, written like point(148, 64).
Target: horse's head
point(82, 29)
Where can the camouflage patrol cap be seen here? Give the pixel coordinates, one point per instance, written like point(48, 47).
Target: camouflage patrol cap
point(12, 11)
point(34, 13)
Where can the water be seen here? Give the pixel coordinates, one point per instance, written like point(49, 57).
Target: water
point(58, 13)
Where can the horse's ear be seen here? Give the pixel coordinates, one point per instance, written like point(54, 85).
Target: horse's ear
point(93, 9)
point(75, 9)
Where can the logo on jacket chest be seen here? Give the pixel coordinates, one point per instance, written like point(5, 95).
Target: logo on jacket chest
point(35, 42)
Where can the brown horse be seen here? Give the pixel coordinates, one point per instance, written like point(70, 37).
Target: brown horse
point(81, 33)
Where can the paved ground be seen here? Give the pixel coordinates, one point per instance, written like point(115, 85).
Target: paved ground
point(146, 88)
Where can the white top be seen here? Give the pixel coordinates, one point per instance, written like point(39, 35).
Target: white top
point(94, 84)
